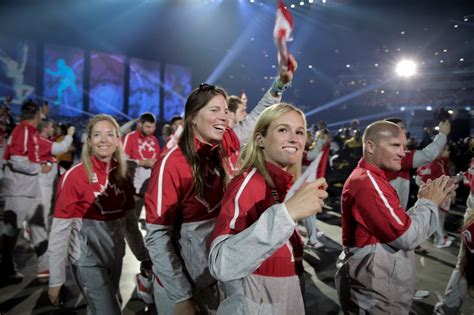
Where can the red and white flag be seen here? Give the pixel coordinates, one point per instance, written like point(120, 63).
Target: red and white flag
point(282, 34)
point(316, 169)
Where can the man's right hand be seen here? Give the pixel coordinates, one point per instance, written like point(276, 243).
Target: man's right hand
point(438, 189)
point(444, 127)
point(187, 307)
point(53, 294)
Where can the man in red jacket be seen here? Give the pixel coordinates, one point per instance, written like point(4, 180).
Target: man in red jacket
point(376, 268)
point(142, 149)
point(22, 192)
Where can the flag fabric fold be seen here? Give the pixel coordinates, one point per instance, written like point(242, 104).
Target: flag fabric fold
point(282, 34)
point(316, 169)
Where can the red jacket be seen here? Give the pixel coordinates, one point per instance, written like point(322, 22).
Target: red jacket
point(45, 149)
point(23, 142)
point(435, 169)
point(103, 200)
point(371, 210)
point(246, 199)
point(140, 147)
point(171, 192)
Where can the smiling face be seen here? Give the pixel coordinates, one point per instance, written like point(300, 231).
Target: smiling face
point(103, 140)
point(210, 121)
point(284, 141)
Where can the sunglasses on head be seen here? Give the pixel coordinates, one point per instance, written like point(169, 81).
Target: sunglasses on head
point(204, 87)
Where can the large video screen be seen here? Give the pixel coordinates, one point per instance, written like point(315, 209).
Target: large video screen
point(63, 80)
point(17, 71)
point(177, 87)
point(144, 88)
point(107, 85)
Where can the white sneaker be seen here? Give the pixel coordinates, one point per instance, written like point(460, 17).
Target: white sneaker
point(446, 242)
point(316, 245)
point(421, 294)
point(320, 234)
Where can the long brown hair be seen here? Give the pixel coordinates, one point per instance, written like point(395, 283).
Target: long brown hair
point(195, 102)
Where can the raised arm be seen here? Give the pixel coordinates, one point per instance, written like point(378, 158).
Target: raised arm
point(273, 96)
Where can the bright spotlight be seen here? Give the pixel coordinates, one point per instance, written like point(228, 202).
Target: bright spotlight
point(429, 108)
point(406, 68)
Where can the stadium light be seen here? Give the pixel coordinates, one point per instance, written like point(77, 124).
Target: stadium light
point(406, 68)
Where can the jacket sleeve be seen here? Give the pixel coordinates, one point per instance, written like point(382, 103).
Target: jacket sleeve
point(61, 230)
point(243, 130)
point(161, 201)
point(132, 232)
point(265, 236)
point(424, 221)
point(61, 147)
point(22, 164)
point(167, 263)
point(127, 126)
point(430, 152)
point(134, 237)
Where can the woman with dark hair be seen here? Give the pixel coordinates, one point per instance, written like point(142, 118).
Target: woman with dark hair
point(184, 197)
point(256, 248)
point(93, 215)
point(182, 201)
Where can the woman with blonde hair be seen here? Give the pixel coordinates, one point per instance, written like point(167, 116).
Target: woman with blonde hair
point(93, 215)
point(257, 226)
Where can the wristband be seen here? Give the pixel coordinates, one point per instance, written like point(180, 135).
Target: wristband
point(278, 87)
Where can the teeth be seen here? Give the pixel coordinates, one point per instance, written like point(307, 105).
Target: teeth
point(291, 150)
point(219, 127)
